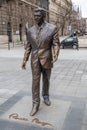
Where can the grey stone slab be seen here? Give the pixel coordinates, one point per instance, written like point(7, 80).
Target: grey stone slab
point(79, 72)
point(2, 100)
point(55, 114)
point(8, 125)
point(72, 99)
point(84, 77)
point(74, 120)
point(7, 93)
point(11, 101)
point(84, 127)
point(72, 126)
point(85, 120)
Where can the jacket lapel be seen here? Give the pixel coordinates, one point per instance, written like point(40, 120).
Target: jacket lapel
point(41, 33)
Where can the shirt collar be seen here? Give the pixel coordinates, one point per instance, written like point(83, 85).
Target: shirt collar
point(42, 26)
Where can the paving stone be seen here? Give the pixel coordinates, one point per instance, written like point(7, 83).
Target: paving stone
point(2, 100)
point(84, 127)
point(74, 119)
point(7, 125)
point(84, 77)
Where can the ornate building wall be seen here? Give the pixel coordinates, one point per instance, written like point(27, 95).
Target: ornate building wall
point(14, 14)
point(57, 12)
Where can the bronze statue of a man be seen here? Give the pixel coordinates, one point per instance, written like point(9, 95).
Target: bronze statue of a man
point(43, 44)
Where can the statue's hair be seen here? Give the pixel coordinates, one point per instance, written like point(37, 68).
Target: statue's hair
point(43, 12)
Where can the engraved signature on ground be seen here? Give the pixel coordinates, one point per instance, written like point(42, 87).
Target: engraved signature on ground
point(16, 116)
point(36, 120)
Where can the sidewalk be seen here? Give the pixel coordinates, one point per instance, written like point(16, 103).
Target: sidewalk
point(68, 93)
point(14, 52)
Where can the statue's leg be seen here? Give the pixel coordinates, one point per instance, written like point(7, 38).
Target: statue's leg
point(36, 74)
point(46, 84)
point(36, 85)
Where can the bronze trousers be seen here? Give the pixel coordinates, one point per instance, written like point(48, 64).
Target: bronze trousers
point(37, 70)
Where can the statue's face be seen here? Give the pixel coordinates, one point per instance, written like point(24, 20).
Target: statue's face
point(38, 17)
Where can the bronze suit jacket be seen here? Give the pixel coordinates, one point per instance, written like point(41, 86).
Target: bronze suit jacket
point(41, 40)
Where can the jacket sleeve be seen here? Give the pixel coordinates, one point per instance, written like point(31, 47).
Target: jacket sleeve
point(56, 42)
point(28, 48)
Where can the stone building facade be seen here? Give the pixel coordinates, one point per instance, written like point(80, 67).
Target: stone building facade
point(78, 23)
point(59, 11)
point(14, 14)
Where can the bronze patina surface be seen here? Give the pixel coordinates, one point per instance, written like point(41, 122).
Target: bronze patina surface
point(43, 44)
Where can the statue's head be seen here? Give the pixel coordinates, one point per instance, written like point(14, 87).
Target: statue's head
point(39, 15)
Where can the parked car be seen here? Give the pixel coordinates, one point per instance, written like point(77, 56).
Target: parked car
point(85, 33)
point(70, 42)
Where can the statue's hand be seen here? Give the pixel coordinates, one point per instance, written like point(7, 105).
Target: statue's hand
point(24, 65)
point(55, 57)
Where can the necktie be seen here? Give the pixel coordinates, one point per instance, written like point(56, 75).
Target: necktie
point(38, 36)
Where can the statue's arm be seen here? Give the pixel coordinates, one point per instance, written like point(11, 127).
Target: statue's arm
point(56, 45)
point(27, 52)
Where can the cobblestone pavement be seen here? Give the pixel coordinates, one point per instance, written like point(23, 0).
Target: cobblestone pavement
point(68, 92)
